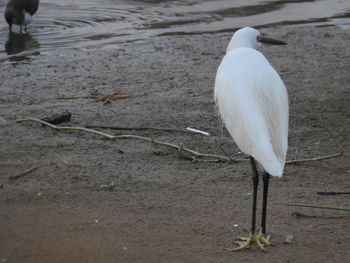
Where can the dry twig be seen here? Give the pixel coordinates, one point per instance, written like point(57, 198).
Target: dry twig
point(3, 120)
point(96, 98)
point(17, 176)
point(223, 151)
point(333, 193)
point(301, 215)
point(184, 151)
point(135, 128)
point(315, 158)
point(314, 206)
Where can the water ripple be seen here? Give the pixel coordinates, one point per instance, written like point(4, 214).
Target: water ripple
point(71, 23)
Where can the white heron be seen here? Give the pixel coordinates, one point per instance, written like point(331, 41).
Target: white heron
point(253, 104)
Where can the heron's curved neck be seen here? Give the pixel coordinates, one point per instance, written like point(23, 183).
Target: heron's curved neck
point(238, 43)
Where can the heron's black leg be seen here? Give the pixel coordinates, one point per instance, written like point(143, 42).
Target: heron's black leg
point(255, 190)
point(266, 178)
point(255, 238)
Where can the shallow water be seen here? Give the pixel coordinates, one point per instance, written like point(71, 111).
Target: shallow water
point(99, 23)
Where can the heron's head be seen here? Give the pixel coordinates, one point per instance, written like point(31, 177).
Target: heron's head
point(250, 38)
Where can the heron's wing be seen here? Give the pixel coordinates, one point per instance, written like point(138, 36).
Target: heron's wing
point(253, 104)
point(273, 105)
point(271, 102)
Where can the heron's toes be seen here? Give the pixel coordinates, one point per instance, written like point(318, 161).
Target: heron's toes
point(260, 240)
point(265, 239)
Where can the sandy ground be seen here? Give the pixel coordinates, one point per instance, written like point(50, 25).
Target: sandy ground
point(96, 200)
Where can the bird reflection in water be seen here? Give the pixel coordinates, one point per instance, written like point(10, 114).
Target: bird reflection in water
point(21, 47)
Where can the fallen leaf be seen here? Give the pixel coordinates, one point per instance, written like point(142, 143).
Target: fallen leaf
point(118, 92)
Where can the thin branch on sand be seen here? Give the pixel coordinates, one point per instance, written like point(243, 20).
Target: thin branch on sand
point(301, 215)
point(3, 120)
point(96, 97)
point(315, 158)
point(333, 193)
point(183, 151)
point(314, 206)
point(223, 151)
point(17, 176)
point(134, 128)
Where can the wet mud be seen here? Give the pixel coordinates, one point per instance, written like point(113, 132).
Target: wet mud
point(97, 200)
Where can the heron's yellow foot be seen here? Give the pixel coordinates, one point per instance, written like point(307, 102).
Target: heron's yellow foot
point(264, 239)
point(260, 240)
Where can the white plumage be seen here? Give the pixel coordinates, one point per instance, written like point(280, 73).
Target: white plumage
point(253, 102)
point(28, 18)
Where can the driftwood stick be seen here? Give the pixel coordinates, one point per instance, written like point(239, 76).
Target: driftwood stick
point(3, 120)
point(223, 151)
point(333, 193)
point(180, 148)
point(134, 128)
point(137, 137)
point(66, 127)
point(94, 97)
point(17, 176)
point(301, 215)
point(315, 158)
point(314, 206)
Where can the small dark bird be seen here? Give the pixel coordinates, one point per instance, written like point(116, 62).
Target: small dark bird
point(20, 12)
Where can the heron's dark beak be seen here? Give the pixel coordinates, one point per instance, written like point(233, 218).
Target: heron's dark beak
point(271, 41)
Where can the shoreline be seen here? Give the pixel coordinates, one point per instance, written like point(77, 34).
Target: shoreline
point(101, 201)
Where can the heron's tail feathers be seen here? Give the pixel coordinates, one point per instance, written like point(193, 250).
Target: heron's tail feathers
point(270, 161)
